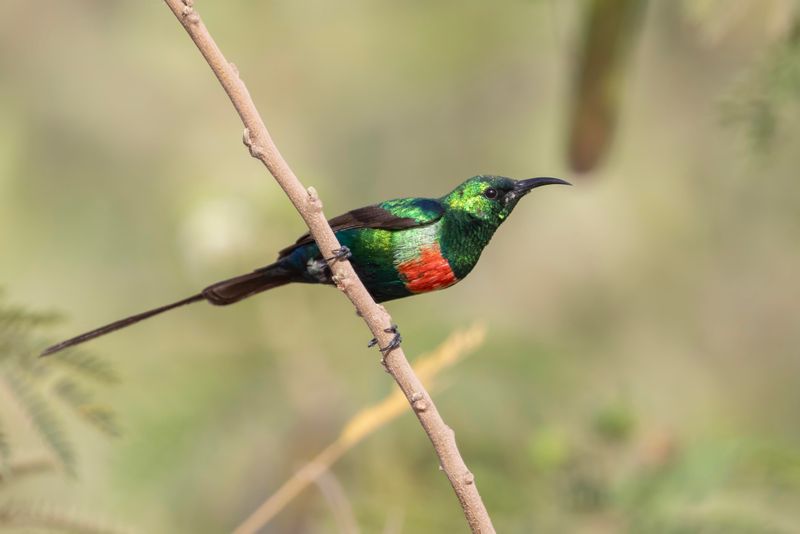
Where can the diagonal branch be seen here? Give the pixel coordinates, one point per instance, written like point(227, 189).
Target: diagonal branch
point(308, 204)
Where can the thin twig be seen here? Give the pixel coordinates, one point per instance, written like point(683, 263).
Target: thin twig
point(366, 422)
point(337, 500)
point(16, 470)
point(308, 204)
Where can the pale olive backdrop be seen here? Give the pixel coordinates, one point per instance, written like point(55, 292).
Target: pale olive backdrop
point(642, 363)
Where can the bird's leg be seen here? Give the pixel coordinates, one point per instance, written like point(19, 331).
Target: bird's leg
point(393, 344)
point(397, 339)
point(340, 254)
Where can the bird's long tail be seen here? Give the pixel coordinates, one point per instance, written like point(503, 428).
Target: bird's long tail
point(220, 294)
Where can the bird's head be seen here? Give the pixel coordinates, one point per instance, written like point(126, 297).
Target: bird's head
point(491, 199)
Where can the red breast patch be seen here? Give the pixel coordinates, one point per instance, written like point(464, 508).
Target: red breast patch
point(428, 271)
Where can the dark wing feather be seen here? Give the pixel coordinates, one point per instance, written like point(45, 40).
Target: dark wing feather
point(390, 215)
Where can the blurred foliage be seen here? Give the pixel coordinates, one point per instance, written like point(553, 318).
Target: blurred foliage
point(366, 422)
point(767, 102)
point(26, 517)
point(641, 369)
point(652, 481)
point(31, 388)
point(614, 422)
point(26, 378)
point(609, 37)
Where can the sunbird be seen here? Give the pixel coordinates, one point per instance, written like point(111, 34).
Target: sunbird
point(398, 248)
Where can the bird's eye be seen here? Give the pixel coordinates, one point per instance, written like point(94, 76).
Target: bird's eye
point(491, 192)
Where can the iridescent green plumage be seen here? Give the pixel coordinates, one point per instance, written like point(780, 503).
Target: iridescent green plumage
point(398, 248)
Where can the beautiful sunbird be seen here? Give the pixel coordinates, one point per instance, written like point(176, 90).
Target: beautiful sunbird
point(398, 248)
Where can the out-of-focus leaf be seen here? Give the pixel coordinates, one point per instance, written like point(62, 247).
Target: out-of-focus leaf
point(16, 325)
point(82, 403)
point(717, 19)
point(770, 99)
point(88, 365)
point(614, 423)
point(609, 35)
point(47, 518)
point(27, 376)
point(42, 418)
point(549, 448)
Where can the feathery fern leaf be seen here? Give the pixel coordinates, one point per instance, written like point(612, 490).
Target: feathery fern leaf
point(88, 365)
point(82, 403)
point(26, 376)
point(42, 418)
point(50, 519)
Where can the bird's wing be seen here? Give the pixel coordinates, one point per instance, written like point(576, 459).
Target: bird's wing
point(396, 214)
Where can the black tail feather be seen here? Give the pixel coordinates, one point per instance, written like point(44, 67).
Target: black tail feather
point(240, 287)
point(220, 294)
point(116, 325)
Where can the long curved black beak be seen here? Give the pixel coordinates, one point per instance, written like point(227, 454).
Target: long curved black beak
point(523, 187)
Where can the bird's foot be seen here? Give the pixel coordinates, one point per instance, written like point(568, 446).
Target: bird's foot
point(393, 344)
point(340, 254)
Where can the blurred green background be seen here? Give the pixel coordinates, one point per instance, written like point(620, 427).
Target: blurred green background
point(642, 361)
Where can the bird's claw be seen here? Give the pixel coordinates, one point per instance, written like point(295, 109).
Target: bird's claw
point(397, 339)
point(340, 254)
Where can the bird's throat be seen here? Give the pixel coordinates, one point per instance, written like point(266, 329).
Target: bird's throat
point(462, 240)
